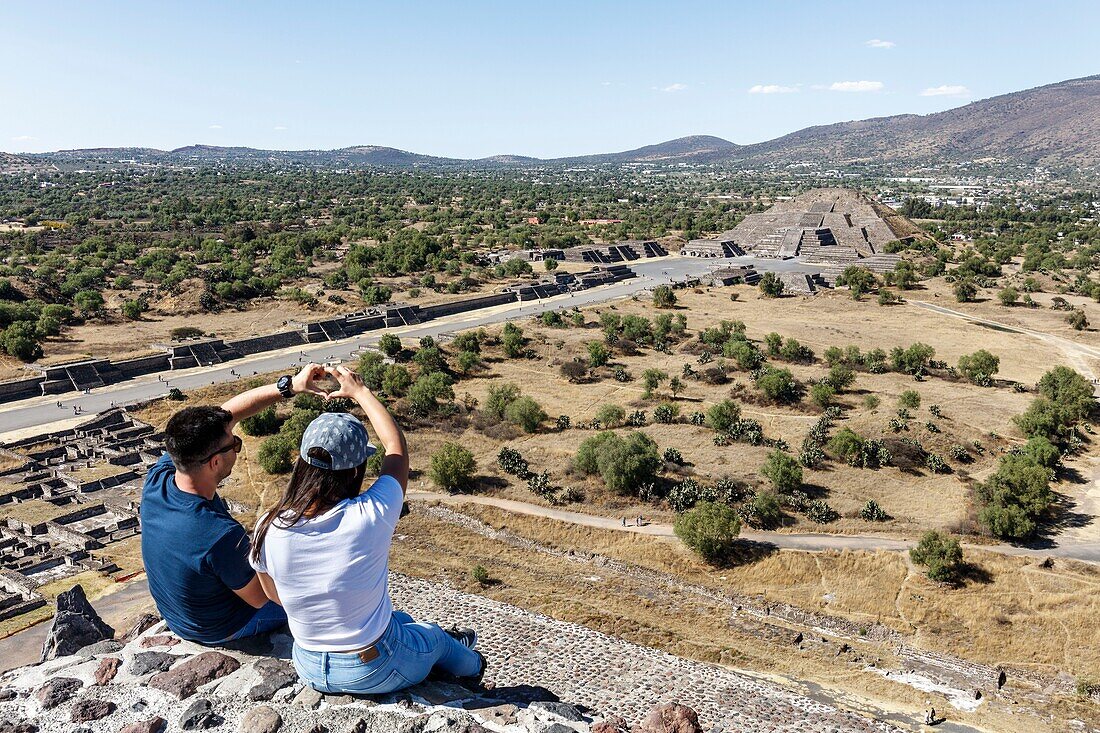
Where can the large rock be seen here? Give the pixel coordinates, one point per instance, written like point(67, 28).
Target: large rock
point(75, 625)
point(200, 714)
point(91, 709)
point(144, 622)
point(107, 669)
point(670, 718)
point(57, 691)
point(611, 724)
point(195, 672)
point(275, 674)
point(159, 640)
point(261, 719)
point(155, 724)
point(144, 663)
point(6, 726)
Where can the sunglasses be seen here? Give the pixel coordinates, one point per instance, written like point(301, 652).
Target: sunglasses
point(236, 445)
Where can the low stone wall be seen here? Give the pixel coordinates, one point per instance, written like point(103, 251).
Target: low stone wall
point(256, 344)
point(144, 365)
point(468, 304)
point(21, 388)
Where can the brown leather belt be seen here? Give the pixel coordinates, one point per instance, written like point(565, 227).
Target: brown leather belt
point(366, 653)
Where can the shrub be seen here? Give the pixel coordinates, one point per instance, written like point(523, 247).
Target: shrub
point(710, 529)
point(747, 356)
point(840, 377)
point(275, 454)
point(479, 574)
point(452, 468)
point(940, 553)
point(859, 280)
point(396, 380)
point(468, 361)
point(871, 402)
point(663, 297)
point(426, 392)
point(909, 399)
point(872, 512)
point(770, 285)
point(185, 332)
point(625, 463)
point(794, 351)
point(525, 412)
point(665, 412)
point(598, 354)
point(762, 511)
point(672, 455)
point(512, 340)
point(552, 319)
point(913, 360)
point(511, 461)
point(722, 416)
point(636, 419)
point(498, 399)
point(820, 512)
point(389, 344)
point(263, 422)
point(562, 423)
point(822, 394)
point(1077, 320)
point(611, 415)
point(685, 495)
point(176, 394)
point(783, 471)
point(778, 385)
point(979, 367)
point(574, 370)
point(1009, 297)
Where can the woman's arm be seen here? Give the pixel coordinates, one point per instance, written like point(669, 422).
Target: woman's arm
point(396, 463)
point(269, 587)
point(247, 404)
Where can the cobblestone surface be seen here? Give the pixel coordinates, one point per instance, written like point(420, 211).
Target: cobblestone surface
point(612, 675)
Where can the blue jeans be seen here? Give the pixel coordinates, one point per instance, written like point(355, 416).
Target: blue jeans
point(268, 617)
point(407, 652)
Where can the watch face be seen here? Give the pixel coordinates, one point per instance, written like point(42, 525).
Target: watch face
point(283, 384)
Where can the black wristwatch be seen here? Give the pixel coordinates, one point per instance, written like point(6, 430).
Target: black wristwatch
point(285, 386)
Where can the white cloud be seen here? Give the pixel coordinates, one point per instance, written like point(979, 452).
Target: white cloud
point(23, 138)
point(879, 43)
point(605, 83)
point(856, 86)
point(677, 87)
point(215, 127)
point(280, 127)
point(771, 89)
point(946, 90)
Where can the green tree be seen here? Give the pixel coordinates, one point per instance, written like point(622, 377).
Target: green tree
point(550, 264)
point(723, 416)
point(859, 280)
point(979, 367)
point(1077, 320)
point(651, 379)
point(965, 290)
point(778, 385)
point(770, 285)
point(452, 468)
point(468, 361)
point(909, 399)
point(940, 553)
point(20, 340)
point(264, 422)
point(626, 464)
point(598, 354)
point(89, 302)
point(1009, 296)
point(822, 394)
point(611, 416)
point(512, 340)
point(426, 392)
point(710, 529)
point(396, 380)
point(390, 344)
point(1070, 391)
point(133, 309)
point(498, 399)
point(274, 455)
point(525, 412)
point(664, 297)
point(783, 471)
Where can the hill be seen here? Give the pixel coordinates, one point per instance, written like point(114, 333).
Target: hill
point(1057, 125)
point(1054, 125)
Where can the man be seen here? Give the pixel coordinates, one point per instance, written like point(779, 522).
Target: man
point(195, 552)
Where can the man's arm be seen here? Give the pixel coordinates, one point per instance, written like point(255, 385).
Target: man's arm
point(247, 404)
point(254, 594)
point(269, 586)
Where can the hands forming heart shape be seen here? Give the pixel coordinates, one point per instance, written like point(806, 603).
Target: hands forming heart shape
point(348, 382)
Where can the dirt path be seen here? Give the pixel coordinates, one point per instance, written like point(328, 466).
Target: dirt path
point(805, 541)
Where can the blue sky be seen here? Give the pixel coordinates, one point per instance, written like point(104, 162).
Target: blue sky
point(470, 79)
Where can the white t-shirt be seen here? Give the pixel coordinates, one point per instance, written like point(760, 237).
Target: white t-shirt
point(331, 570)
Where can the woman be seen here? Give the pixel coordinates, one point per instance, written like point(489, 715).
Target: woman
point(323, 552)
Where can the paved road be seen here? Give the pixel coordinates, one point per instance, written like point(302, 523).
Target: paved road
point(41, 411)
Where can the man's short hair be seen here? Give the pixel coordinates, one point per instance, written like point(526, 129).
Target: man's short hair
point(194, 433)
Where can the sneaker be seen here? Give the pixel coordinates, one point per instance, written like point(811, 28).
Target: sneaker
point(465, 637)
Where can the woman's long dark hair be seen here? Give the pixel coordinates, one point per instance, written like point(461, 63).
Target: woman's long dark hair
point(311, 490)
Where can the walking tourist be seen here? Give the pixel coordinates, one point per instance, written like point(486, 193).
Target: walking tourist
point(323, 553)
point(195, 552)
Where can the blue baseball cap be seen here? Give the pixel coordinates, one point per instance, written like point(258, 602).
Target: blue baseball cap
point(342, 435)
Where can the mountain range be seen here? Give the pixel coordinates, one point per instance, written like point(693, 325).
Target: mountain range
point(1057, 125)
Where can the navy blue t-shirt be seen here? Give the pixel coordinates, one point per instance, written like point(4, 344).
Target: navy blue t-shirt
point(195, 555)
